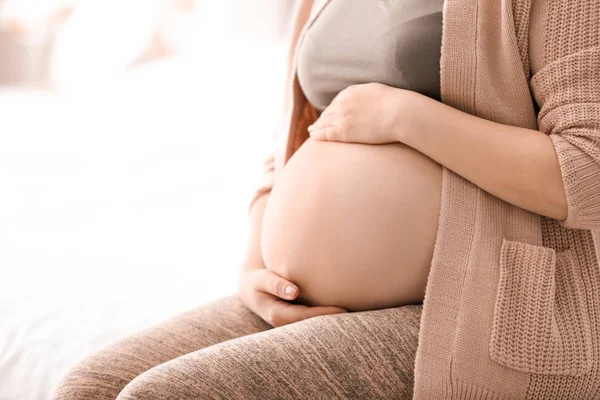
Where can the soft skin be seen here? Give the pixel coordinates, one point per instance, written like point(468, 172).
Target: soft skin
point(515, 164)
point(353, 218)
point(354, 225)
point(264, 292)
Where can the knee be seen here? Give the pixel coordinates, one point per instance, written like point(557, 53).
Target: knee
point(141, 388)
point(93, 378)
point(199, 375)
point(157, 383)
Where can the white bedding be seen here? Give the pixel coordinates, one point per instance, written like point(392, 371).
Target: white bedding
point(123, 205)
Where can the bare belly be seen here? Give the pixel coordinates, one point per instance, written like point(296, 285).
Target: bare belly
point(354, 225)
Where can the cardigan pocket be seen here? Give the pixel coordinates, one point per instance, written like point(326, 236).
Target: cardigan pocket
point(541, 322)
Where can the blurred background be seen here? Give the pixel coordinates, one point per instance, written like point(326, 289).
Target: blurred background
point(132, 135)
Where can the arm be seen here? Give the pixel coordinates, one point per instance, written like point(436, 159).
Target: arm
point(515, 164)
point(555, 171)
point(267, 180)
point(253, 258)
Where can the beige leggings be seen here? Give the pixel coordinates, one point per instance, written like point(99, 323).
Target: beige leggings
point(222, 350)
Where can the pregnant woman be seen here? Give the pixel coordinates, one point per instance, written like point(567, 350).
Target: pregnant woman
point(428, 226)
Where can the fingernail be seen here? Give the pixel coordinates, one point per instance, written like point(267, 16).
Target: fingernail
point(310, 128)
point(289, 291)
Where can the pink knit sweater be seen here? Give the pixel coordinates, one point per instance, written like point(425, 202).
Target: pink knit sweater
point(512, 304)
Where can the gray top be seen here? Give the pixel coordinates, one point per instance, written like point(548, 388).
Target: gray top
point(394, 42)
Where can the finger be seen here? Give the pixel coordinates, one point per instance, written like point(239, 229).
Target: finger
point(268, 307)
point(275, 311)
point(325, 119)
point(271, 283)
point(278, 312)
point(286, 313)
point(324, 310)
point(326, 133)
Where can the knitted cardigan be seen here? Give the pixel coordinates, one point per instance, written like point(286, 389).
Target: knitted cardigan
point(512, 303)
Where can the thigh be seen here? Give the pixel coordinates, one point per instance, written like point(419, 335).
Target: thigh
point(359, 355)
point(104, 374)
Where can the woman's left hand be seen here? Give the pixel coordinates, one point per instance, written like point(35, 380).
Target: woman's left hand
point(370, 113)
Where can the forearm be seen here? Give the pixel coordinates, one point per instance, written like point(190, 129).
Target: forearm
point(253, 257)
point(517, 165)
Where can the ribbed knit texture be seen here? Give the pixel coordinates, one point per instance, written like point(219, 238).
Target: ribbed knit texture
point(512, 304)
point(535, 330)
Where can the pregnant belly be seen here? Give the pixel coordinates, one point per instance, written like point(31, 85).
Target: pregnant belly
point(354, 225)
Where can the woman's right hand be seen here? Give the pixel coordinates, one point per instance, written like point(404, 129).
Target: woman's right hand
point(264, 293)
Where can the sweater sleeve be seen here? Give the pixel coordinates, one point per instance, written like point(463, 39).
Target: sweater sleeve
point(567, 90)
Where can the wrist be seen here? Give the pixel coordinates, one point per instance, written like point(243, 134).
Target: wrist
point(409, 108)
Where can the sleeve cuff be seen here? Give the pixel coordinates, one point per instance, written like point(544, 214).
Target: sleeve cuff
point(581, 178)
